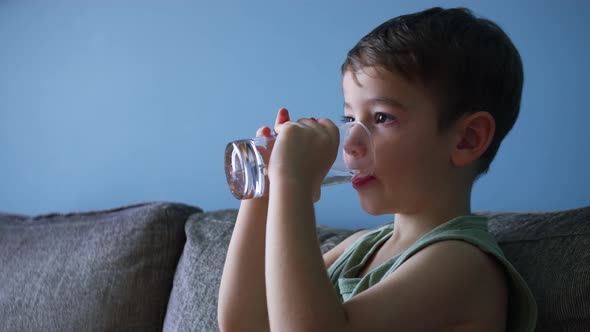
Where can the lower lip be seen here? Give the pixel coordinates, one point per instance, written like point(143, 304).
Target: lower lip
point(358, 183)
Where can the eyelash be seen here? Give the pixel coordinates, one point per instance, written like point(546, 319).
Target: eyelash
point(345, 119)
point(377, 115)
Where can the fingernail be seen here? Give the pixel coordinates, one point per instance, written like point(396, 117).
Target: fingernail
point(284, 115)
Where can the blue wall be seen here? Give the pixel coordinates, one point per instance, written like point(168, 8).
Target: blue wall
point(108, 104)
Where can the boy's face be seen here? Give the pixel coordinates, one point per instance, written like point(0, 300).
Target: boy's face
point(412, 157)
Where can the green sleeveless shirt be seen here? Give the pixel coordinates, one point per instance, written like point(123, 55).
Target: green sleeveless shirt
point(522, 310)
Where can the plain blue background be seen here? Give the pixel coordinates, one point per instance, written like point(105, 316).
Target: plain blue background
point(107, 103)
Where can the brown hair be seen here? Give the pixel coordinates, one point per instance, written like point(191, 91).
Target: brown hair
point(468, 63)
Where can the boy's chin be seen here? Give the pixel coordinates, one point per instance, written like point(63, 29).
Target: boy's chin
point(373, 207)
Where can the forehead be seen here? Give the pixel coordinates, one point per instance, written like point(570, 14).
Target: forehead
point(376, 82)
point(374, 79)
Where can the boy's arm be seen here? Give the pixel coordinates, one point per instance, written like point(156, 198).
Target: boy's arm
point(300, 295)
point(242, 295)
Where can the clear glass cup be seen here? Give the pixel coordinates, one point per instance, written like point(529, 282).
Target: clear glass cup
point(246, 161)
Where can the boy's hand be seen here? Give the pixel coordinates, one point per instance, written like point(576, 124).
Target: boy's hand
point(304, 152)
point(282, 117)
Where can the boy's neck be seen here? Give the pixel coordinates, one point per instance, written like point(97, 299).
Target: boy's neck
point(411, 226)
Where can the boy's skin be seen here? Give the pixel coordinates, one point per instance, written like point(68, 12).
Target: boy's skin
point(275, 276)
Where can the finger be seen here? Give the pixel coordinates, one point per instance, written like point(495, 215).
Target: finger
point(263, 131)
point(331, 128)
point(324, 124)
point(327, 123)
point(309, 122)
point(282, 117)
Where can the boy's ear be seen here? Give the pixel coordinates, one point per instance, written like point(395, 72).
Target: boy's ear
point(475, 132)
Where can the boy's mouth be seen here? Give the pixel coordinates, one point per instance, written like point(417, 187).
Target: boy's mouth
point(360, 180)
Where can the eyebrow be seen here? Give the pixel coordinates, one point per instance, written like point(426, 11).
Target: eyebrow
point(383, 101)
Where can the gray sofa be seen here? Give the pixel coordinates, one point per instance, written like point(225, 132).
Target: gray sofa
point(157, 266)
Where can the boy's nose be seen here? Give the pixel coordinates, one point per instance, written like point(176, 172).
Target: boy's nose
point(356, 143)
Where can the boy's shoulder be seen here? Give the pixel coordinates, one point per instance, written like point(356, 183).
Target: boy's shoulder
point(451, 280)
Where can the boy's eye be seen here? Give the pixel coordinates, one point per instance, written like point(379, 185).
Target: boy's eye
point(383, 117)
point(346, 119)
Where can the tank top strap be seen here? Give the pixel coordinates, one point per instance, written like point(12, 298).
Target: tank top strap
point(471, 228)
point(358, 252)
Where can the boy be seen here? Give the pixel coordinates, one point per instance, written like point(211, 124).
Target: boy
point(439, 90)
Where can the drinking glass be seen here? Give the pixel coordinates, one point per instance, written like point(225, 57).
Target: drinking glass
point(246, 160)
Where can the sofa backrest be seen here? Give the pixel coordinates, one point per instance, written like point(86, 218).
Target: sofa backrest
point(551, 250)
point(129, 268)
point(106, 270)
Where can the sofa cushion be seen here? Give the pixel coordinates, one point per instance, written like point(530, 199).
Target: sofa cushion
point(97, 271)
point(551, 252)
point(193, 302)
